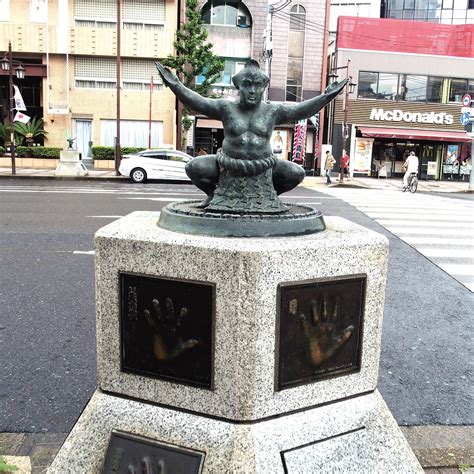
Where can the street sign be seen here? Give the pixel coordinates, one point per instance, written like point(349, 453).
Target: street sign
point(465, 118)
point(466, 100)
point(468, 109)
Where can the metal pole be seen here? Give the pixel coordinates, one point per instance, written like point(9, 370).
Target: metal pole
point(12, 107)
point(149, 114)
point(344, 126)
point(119, 67)
point(471, 177)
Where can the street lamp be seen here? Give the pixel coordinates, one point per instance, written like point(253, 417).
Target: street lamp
point(7, 65)
point(348, 89)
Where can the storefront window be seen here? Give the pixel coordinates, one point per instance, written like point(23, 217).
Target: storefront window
point(413, 88)
point(388, 86)
point(451, 162)
point(367, 88)
point(457, 90)
point(434, 92)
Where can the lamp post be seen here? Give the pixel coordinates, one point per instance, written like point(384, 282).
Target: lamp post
point(7, 65)
point(348, 89)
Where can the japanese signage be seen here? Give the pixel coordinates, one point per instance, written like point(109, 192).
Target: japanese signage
point(299, 141)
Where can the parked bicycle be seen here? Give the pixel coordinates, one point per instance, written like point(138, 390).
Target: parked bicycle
point(412, 183)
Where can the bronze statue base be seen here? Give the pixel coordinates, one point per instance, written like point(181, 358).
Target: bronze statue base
point(188, 218)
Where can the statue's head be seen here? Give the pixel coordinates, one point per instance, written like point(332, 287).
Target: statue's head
point(251, 82)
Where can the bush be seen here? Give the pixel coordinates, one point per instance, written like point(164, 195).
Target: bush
point(108, 152)
point(2, 151)
point(38, 152)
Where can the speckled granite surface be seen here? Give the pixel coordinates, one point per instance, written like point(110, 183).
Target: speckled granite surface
point(355, 435)
point(246, 273)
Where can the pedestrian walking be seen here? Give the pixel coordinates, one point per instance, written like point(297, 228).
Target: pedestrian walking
point(330, 160)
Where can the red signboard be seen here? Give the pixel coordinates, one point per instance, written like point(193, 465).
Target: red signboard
point(405, 36)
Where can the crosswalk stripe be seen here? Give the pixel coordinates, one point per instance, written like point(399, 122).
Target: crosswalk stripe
point(440, 228)
point(421, 230)
point(448, 253)
point(457, 269)
point(438, 241)
point(431, 226)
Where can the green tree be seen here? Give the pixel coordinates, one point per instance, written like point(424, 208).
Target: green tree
point(194, 56)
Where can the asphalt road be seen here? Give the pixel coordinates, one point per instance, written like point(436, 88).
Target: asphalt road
point(47, 306)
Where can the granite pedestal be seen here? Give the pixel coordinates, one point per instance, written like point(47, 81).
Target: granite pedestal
point(70, 165)
point(247, 399)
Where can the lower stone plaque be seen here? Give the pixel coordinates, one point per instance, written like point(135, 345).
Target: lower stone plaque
point(167, 328)
point(131, 454)
point(319, 332)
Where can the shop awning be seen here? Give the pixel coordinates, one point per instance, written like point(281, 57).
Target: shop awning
point(410, 134)
point(209, 123)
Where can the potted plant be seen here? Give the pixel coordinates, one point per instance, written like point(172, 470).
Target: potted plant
point(30, 131)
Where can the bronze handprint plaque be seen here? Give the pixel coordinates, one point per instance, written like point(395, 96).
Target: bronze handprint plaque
point(129, 453)
point(319, 329)
point(167, 328)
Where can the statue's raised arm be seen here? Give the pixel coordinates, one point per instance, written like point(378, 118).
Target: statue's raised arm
point(310, 107)
point(192, 100)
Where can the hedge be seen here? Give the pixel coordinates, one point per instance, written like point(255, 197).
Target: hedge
point(38, 152)
point(108, 152)
point(2, 150)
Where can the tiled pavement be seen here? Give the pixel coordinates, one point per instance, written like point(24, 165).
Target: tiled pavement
point(440, 449)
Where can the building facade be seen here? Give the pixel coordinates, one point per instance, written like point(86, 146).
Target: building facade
point(292, 57)
point(69, 49)
point(411, 77)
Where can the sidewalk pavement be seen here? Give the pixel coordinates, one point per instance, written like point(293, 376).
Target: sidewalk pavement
point(440, 449)
point(311, 182)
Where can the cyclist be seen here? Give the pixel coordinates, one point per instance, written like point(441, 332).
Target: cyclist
point(411, 166)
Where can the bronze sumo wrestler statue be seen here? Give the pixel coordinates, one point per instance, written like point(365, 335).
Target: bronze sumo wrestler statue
point(244, 176)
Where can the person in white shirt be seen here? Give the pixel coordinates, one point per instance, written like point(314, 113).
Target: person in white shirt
point(411, 166)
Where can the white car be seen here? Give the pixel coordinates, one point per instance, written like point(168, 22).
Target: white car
point(155, 164)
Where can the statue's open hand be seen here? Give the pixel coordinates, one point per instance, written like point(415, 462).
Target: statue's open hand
point(336, 87)
point(168, 77)
point(166, 324)
point(320, 330)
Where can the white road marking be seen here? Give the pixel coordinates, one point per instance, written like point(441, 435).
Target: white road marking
point(444, 252)
point(404, 224)
point(438, 241)
point(106, 217)
point(435, 232)
point(84, 252)
point(457, 269)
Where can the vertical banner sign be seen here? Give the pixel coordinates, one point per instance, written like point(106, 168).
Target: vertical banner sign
point(363, 155)
point(299, 141)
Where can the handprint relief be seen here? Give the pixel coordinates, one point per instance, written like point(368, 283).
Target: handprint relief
point(322, 337)
point(167, 329)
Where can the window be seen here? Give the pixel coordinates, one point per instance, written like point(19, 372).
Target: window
point(434, 90)
point(297, 18)
point(388, 86)
point(457, 89)
point(133, 133)
point(231, 68)
point(100, 73)
point(296, 39)
point(413, 88)
point(226, 13)
point(368, 85)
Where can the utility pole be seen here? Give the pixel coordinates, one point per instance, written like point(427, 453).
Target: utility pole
point(471, 177)
point(119, 70)
point(268, 47)
point(12, 107)
point(345, 132)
